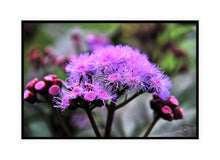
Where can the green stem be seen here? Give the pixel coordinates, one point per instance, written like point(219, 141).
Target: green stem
point(109, 121)
point(92, 121)
point(127, 101)
point(63, 124)
point(156, 118)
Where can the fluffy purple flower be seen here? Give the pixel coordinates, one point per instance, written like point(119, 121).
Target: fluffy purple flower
point(110, 71)
point(90, 95)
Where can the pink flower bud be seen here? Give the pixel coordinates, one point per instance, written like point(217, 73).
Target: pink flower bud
point(57, 82)
point(166, 109)
point(29, 96)
point(31, 84)
point(173, 102)
point(54, 90)
point(49, 80)
point(40, 87)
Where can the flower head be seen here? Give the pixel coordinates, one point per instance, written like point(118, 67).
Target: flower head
point(112, 70)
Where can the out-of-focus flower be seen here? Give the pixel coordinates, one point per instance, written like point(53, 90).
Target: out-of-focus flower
point(75, 35)
point(35, 58)
point(79, 120)
point(97, 41)
point(166, 109)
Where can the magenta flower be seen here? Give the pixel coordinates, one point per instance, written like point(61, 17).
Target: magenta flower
point(107, 72)
point(90, 96)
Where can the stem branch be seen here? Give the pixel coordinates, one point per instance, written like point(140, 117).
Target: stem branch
point(109, 121)
point(156, 118)
point(63, 124)
point(127, 101)
point(92, 121)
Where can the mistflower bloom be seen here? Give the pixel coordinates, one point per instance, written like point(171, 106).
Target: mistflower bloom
point(110, 71)
point(64, 101)
point(114, 77)
point(90, 96)
point(79, 68)
point(77, 91)
point(160, 84)
point(119, 66)
point(166, 109)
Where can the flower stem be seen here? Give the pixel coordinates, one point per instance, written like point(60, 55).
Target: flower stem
point(109, 121)
point(156, 118)
point(127, 101)
point(63, 124)
point(92, 121)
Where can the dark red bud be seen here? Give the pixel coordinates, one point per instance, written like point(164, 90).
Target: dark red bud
point(58, 82)
point(29, 96)
point(31, 84)
point(155, 96)
point(156, 104)
point(178, 114)
point(173, 102)
point(49, 80)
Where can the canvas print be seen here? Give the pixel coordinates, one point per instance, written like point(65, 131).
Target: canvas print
point(110, 79)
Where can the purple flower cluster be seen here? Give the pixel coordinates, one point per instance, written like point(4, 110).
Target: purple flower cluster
point(107, 73)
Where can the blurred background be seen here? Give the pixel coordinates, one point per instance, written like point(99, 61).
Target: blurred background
point(48, 46)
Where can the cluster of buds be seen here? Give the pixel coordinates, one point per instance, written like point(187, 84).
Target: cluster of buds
point(166, 109)
point(48, 58)
point(51, 85)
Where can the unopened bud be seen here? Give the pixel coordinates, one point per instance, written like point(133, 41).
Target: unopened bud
point(173, 102)
point(40, 87)
point(49, 80)
point(31, 84)
point(178, 114)
point(29, 96)
point(54, 90)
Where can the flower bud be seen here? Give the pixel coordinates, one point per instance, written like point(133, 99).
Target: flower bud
point(156, 104)
point(41, 87)
point(173, 102)
point(31, 84)
point(29, 96)
point(168, 117)
point(54, 90)
point(178, 114)
point(166, 109)
point(57, 82)
point(49, 79)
